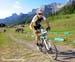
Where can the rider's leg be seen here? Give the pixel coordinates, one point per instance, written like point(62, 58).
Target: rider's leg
point(36, 38)
point(37, 41)
point(36, 34)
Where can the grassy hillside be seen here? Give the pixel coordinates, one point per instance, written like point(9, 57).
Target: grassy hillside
point(62, 22)
point(59, 25)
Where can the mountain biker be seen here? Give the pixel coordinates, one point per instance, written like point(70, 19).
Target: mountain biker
point(36, 24)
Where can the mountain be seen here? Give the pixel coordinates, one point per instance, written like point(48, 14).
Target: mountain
point(14, 19)
point(25, 18)
point(69, 8)
point(69, 2)
point(51, 8)
point(47, 10)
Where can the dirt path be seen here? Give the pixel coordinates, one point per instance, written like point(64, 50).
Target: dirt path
point(66, 53)
point(28, 53)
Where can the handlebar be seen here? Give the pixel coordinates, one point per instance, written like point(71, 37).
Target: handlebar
point(43, 31)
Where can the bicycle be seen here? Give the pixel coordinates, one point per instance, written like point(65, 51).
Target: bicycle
point(47, 44)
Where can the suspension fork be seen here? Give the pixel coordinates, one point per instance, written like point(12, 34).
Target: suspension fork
point(46, 45)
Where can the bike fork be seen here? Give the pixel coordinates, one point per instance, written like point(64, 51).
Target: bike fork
point(47, 46)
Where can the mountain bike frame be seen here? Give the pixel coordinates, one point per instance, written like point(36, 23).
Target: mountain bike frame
point(47, 44)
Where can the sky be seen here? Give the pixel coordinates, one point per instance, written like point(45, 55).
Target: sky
point(8, 7)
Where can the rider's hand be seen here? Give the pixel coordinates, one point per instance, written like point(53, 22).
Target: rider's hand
point(48, 28)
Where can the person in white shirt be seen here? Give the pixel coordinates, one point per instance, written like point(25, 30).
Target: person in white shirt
point(36, 24)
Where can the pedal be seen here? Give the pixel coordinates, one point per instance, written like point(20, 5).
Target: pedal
point(50, 51)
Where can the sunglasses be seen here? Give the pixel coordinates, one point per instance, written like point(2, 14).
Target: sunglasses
point(39, 13)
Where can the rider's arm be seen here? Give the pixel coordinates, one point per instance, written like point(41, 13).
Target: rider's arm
point(32, 26)
point(48, 26)
point(47, 23)
point(33, 23)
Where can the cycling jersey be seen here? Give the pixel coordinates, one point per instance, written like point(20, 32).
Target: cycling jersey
point(37, 21)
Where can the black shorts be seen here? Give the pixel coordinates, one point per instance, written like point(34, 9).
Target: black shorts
point(37, 27)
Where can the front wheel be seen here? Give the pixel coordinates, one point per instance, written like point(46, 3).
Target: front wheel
point(51, 48)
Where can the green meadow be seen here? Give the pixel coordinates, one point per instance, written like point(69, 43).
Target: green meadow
point(62, 26)
point(59, 25)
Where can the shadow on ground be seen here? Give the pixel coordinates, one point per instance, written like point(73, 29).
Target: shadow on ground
point(66, 56)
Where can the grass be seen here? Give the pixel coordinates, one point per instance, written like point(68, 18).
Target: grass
point(59, 25)
point(27, 35)
point(10, 49)
point(4, 39)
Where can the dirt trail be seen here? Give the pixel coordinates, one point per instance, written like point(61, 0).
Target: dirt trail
point(28, 53)
point(66, 53)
